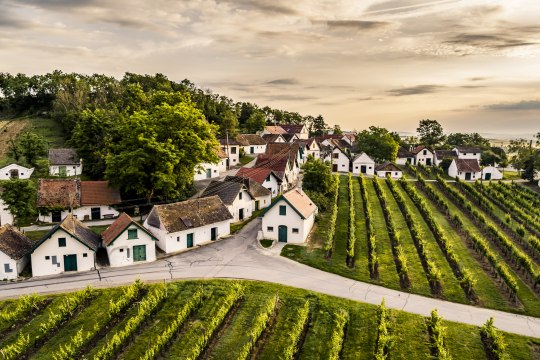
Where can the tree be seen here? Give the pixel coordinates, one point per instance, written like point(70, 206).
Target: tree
point(318, 127)
point(378, 143)
point(29, 145)
point(526, 157)
point(337, 130)
point(430, 132)
point(159, 150)
point(464, 139)
point(317, 176)
point(256, 122)
point(20, 199)
point(494, 155)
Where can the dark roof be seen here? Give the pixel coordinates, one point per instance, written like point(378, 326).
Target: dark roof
point(468, 149)
point(404, 153)
point(467, 165)
point(63, 157)
point(276, 163)
point(62, 193)
point(189, 214)
point(13, 243)
point(251, 139)
point(253, 187)
point(292, 129)
point(282, 149)
point(233, 141)
point(288, 137)
point(419, 148)
point(76, 229)
point(226, 190)
point(257, 174)
point(118, 226)
point(270, 138)
point(445, 154)
point(99, 193)
point(387, 166)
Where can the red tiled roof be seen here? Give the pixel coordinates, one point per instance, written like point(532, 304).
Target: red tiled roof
point(116, 228)
point(59, 193)
point(292, 129)
point(255, 174)
point(98, 193)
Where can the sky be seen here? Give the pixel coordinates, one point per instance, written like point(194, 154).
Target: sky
point(473, 65)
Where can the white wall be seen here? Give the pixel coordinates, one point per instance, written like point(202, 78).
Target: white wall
point(264, 201)
point(495, 173)
point(393, 174)
point(24, 173)
point(234, 158)
point(16, 266)
point(342, 161)
point(245, 203)
point(120, 252)
point(257, 149)
point(42, 266)
point(453, 172)
point(81, 212)
point(5, 215)
point(201, 171)
point(71, 170)
point(363, 160)
point(177, 241)
point(468, 155)
point(291, 220)
point(422, 158)
point(272, 185)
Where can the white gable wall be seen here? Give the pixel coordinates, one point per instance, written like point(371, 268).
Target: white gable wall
point(246, 203)
point(492, 173)
point(393, 174)
point(254, 149)
point(23, 173)
point(424, 157)
point(9, 268)
point(5, 214)
point(453, 172)
point(201, 171)
point(71, 170)
point(120, 251)
point(272, 220)
point(271, 183)
point(233, 152)
point(341, 160)
point(54, 264)
point(363, 160)
point(264, 202)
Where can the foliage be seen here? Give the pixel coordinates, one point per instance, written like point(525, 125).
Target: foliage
point(25, 305)
point(430, 132)
point(317, 176)
point(384, 341)
point(20, 198)
point(467, 139)
point(301, 320)
point(329, 243)
point(337, 130)
point(493, 341)
point(340, 319)
point(373, 261)
point(255, 122)
point(352, 224)
point(378, 143)
point(318, 127)
point(29, 147)
point(437, 337)
point(526, 157)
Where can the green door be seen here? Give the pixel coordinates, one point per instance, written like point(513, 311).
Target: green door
point(488, 176)
point(213, 233)
point(190, 240)
point(282, 233)
point(70, 262)
point(139, 253)
point(62, 170)
point(257, 205)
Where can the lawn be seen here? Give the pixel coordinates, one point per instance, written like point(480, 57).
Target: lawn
point(246, 159)
point(262, 321)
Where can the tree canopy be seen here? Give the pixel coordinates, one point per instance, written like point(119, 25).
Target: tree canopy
point(378, 143)
point(430, 132)
point(20, 198)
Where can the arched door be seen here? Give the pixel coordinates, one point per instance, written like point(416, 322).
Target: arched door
point(282, 233)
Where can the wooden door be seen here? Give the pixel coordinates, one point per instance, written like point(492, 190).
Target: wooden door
point(70, 262)
point(282, 233)
point(139, 253)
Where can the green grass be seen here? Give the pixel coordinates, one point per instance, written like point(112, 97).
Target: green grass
point(266, 243)
point(36, 235)
point(511, 175)
point(49, 129)
point(246, 159)
point(408, 330)
point(99, 228)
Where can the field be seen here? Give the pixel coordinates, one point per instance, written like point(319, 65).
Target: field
point(472, 243)
point(229, 320)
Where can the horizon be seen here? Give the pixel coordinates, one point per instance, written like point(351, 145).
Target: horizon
point(471, 65)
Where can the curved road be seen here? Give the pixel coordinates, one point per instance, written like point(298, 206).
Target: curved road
point(241, 258)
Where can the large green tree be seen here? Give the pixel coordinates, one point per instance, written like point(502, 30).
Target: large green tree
point(20, 198)
point(159, 150)
point(526, 156)
point(318, 126)
point(467, 139)
point(378, 143)
point(28, 145)
point(317, 176)
point(255, 122)
point(430, 132)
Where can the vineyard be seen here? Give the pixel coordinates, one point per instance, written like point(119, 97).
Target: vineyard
point(235, 320)
point(473, 243)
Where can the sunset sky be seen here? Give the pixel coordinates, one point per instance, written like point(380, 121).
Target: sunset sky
point(474, 65)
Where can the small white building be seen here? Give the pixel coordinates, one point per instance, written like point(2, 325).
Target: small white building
point(404, 156)
point(465, 169)
point(14, 249)
point(389, 169)
point(423, 156)
point(290, 218)
point(290, 138)
point(311, 147)
point(208, 170)
point(86, 200)
point(340, 160)
point(467, 152)
point(69, 247)
point(231, 148)
point(14, 171)
point(265, 177)
point(5, 214)
point(254, 144)
point(127, 242)
point(491, 173)
point(64, 162)
point(190, 223)
point(363, 164)
point(234, 195)
point(262, 197)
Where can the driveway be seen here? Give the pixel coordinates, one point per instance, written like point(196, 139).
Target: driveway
point(240, 257)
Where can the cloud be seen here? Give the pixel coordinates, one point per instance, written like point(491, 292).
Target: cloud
point(488, 41)
point(288, 81)
point(415, 90)
point(9, 20)
point(479, 78)
point(524, 105)
point(271, 7)
point(355, 24)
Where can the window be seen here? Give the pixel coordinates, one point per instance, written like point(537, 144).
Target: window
point(47, 257)
point(233, 150)
point(240, 196)
point(62, 242)
point(474, 153)
point(132, 234)
point(282, 210)
point(268, 178)
point(178, 239)
point(7, 268)
point(84, 255)
point(295, 230)
point(335, 155)
point(425, 152)
point(270, 228)
point(121, 250)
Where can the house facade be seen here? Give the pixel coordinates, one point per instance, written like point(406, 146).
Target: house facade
point(231, 148)
point(69, 247)
point(254, 144)
point(15, 171)
point(128, 243)
point(404, 156)
point(299, 130)
point(273, 138)
point(290, 218)
point(440, 155)
point(208, 170)
point(265, 177)
point(14, 249)
point(465, 169)
point(234, 195)
point(363, 164)
point(261, 196)
point(340, 160)
point(467, 152)
point(190, 223)
point(64, 162)
point(389, 169)
point(423, 156)
point(491, 173)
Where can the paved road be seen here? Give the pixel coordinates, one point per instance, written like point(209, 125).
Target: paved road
point(240, 257)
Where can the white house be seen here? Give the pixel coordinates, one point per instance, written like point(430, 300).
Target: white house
point(363, 164)
point(340, 160)
point(14, 249)
point(5, 214)
point(265, 177)
point(300, 130)
point(388, 169)
point(404, 156)
point(262, 197)
point(290, 218)
point(273, 138)
point(423, 156)
point(467, 152)
point(69, 246)
point(234, 195)
point(86, 200)
point(440, 155)
point(209, 170)
point(254, 144)
point(311, 147)
point(127, 242)
point(64, 162)
point(190, 223)
point(491, 173)
point(231, 148)
point(14, 171)
point(465, 169)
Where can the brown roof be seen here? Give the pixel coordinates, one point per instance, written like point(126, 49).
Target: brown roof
point(13, 243)
point(75, 228)
point(221, 154)
point(301, 202)
point(258, 174)
point(467, 165)
point(233, 141)
point(62, 193)
point(387, 166)
point(117, 227)
point(99, 193)
point(419, 148)
point(292, 129)
point(63, 157)
point(270, 138)
point(189, 214)
point(251, 139)
point(404, 153)
point(468, 149)
point(253, 187)
point(275, 129)
point(276, 163)
point(282, 149)
point(445, 154)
